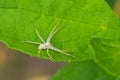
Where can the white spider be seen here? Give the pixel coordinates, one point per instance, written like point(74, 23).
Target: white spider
point(47, 44)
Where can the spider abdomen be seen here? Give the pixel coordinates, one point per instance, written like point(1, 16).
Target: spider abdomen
point(46, 45)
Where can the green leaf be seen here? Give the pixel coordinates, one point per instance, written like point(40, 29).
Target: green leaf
point(107, 54)
point(86, 70)
point(118, 78)
point(82, 21)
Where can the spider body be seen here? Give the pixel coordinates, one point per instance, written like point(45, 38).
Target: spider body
point(46, 45)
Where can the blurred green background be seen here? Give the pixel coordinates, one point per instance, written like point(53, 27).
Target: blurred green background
point(18, 66)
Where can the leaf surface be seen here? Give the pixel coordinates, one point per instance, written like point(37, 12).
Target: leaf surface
point(107, 54)
point(82, 20)
point(86, 70)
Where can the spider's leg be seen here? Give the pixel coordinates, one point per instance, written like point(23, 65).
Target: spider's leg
point(39, 35)
point(53, 31)
point(31, 42)
point(39, 52)
point(50, 37)
point(50, 55)
point(60, 51)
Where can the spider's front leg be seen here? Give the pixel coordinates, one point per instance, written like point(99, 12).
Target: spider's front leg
point(31, 42)
point(39, 36)
point(53, 31)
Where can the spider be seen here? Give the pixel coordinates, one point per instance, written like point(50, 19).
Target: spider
point(46, 45)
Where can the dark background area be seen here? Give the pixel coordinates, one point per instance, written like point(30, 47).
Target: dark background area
point(18, 66)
